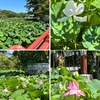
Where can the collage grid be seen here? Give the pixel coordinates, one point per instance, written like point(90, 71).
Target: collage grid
point(50, 50)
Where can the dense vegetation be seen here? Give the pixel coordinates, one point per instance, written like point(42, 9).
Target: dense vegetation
point(72, 34)
point(18, 60)
point(9, 14)
point(61, 80)
point(30, 57)
point(19, 31)
point(17, 86)
point(16, 83)
point(7, 63)
point(40, 9)
point(24, 28)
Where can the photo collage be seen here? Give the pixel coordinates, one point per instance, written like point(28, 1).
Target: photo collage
point(49, 49)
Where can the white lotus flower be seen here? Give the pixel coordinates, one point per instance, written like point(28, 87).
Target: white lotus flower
point(72, 9)
point(82, 1)
point(5, 90)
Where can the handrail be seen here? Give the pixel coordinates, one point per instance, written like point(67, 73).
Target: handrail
point(38, 40)
point(45, 44)
point(40, 43)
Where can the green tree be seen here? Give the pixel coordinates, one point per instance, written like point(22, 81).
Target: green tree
point(5, 62)
point(40, 8)
point(21, 14)
point(30, 57)
point(8, 13)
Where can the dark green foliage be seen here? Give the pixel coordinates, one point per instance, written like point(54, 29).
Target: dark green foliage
point(30, 57)
point(40, 9)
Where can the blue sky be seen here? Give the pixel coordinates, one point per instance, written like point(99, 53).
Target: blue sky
point(13, 5)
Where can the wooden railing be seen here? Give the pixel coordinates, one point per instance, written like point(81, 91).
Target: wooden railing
point(41, 43)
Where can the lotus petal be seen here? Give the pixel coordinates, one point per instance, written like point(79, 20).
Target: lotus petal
point(80, 19)
point(62, 19)
point(80, 9)
point(70, 8)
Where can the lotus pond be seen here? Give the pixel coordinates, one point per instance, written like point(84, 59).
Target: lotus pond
point(18, 86)
point(67, 85)
point(19, 31)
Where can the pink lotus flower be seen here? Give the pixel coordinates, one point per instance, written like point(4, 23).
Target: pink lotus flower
point(5, 90)
point(40, 82)
point(73, 88)
point(24, 85)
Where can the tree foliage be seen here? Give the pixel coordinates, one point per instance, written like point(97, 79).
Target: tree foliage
point(6, 62)
point(38, 7)
point(9, 14)
point(30, 57)
point(20, 59)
